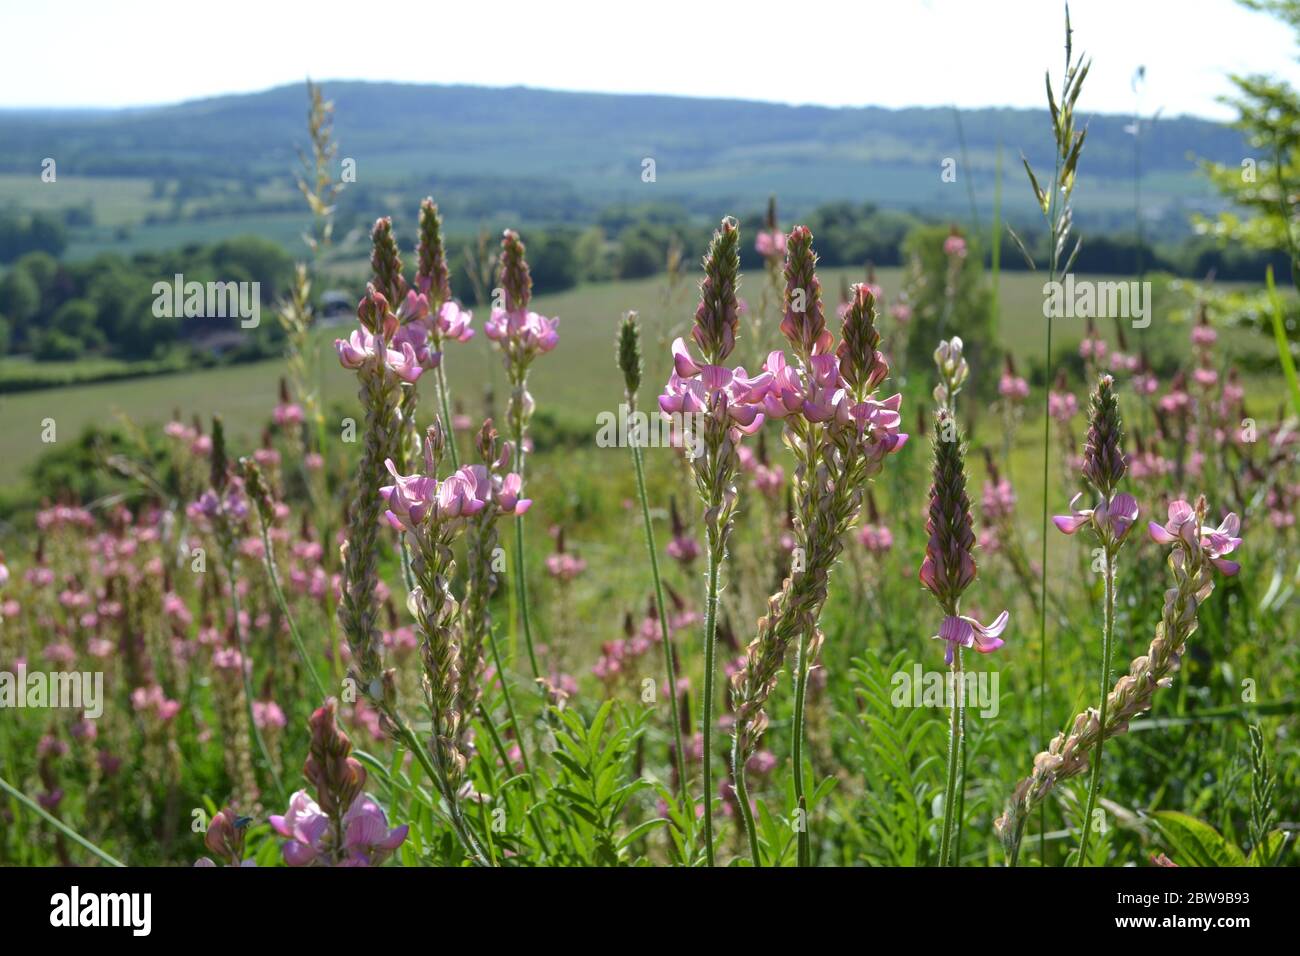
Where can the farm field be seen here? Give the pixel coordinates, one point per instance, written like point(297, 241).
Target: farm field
point(588, 314)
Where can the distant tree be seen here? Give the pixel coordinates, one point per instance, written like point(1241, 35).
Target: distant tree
point(248, 258)
point(948, 297)
point(638, 255)
point(76, 319)
point(4, 335)
point(43, 268)
point(550, 255)
point(1263, 184)
point(54, 346)
point(20, 300)
point(593, 254)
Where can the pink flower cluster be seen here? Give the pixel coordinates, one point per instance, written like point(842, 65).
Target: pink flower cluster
point(1013, 387)
point(154, 703)
point(1183, 525)
point(1112, 519)
point(1062, 406)
point(362, 348)
point(522, 334)
point(367, 840)
point(770, 244)
point(415, 501)
point(697, 389)
point(876, 538)
point(999, 500)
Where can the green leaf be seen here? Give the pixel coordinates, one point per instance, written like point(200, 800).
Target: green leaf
point(1269, 853)
point(639, 831)
point(1029, 260)
point(1043, 201)
point(1194, 842)
point(575, 768)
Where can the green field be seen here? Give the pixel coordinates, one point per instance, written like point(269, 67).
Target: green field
point(577, 382)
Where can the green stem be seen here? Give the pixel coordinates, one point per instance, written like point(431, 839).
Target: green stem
point(269, 559)
point(521, 586)
point(1107, 642)
point(669, 669)
point(444, 400)
point(1042, 598)
point(710, 641)
point(954, 745)
point(961, 784)
point(439, 780)
point(1013, 855)
point(800, 698)
point(514, 726)
point(245, 671)
point(742, 800)
point(62, 827)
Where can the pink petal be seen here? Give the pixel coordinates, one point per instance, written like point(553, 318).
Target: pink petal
point(685, 366)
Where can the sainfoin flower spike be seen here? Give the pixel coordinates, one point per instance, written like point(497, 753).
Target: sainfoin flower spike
point(947, 571)
point(1104, 466)
point(840, 435)
point(948, 567)
point(714, 407)
point(1191, 564)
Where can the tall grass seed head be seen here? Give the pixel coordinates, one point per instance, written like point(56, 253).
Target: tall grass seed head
point(629, 354)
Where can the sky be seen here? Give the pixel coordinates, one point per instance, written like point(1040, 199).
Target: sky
point(893, 53)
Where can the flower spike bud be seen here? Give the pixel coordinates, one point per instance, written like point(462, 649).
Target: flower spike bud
point(1104, 463)
point(804, 325)
point(225, 836)
point(386, 261)
point(717, 317)
point(432, 276)
point(219, 474)
point(862, 366)
point(516, 280)
point(255, 485)
point(373, 312)
point(488, 443)
point(435, 444)
point(949, 565)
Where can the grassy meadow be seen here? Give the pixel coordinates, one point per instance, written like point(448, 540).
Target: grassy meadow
point(391, 599)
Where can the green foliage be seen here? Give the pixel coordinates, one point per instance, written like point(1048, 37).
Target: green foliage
point(596, 782)
point(904, 748)
point(53, 345)
point(20, 299)
point(39, 232)
point(948, 298)
point(1261, 189)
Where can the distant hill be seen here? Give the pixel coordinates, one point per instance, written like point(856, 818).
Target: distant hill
point(544, 156)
